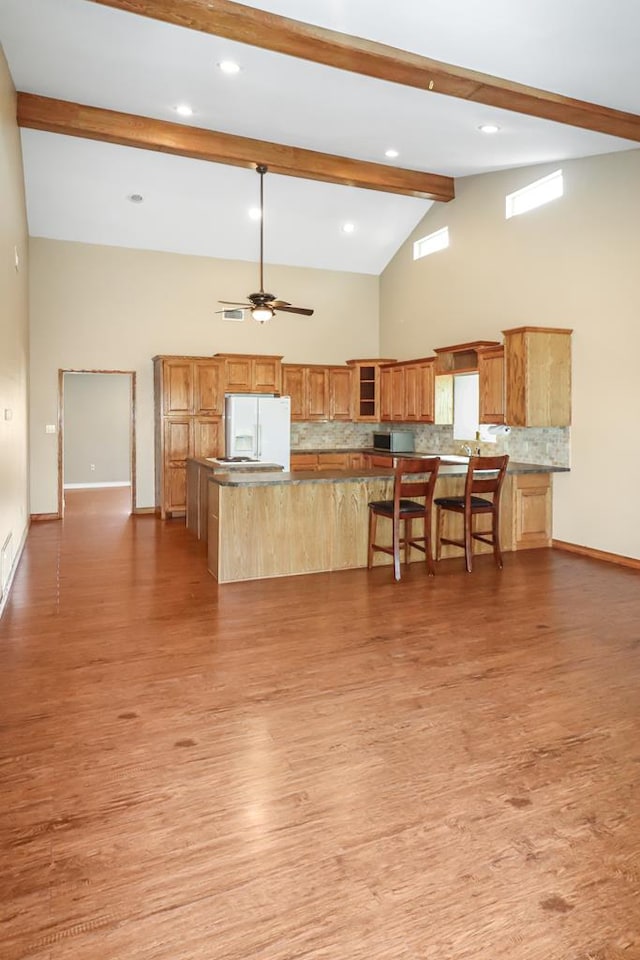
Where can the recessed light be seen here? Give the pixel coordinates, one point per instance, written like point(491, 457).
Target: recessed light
point(392, 154)
point(184, 110)
point(229, 66)
point(348, 227)
point(254, 213)
point(488, 128)
point(135, 197)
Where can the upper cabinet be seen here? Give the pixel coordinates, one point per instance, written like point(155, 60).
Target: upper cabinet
point(317, 392)
point(249, 373)
point(407, 391)
point(538, 376)
point(491, 384)
point(366, 388)
point(340, 393)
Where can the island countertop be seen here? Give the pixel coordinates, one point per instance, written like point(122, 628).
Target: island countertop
point(262, 479)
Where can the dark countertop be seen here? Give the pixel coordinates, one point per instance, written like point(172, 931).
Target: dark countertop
point(352, 476)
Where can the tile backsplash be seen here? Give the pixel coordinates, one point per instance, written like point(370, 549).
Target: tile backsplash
point(545, 445)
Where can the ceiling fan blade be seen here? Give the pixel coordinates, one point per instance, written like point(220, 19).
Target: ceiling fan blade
point(235, 303)
point(304, 311)
point(279, 303)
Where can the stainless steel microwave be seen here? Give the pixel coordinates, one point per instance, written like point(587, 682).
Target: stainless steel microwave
point(394, 441)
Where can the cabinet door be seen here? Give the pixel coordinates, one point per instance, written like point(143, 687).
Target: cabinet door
point(304, 461)
point(426, 392)
point(293, 382)
point(397, 393)
point(532, 511)
point(491, 386)
point(207, 437)
point(386, 395)
point(333, 461)
point(266, 375)
point(340, 393)
point(178, 440)
point(412, 393)
point(238, 375)
point(208, 394)
point(177, 386)
point(317, 393)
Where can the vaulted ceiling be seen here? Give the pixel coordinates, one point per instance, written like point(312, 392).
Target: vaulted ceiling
point(320, 102)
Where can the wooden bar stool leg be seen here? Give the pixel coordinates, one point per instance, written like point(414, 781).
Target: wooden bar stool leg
point(372, 537)
point(440, 530)
point(497, 553)
point(428, 545)
point(468, 541)
point(407, 541)
point(396, 550)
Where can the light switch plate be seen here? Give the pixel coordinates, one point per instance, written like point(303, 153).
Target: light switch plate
point(50, 428)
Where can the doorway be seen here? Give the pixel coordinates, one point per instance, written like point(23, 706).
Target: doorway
point(96, 437)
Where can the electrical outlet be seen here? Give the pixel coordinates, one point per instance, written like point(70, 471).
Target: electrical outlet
point(49, 428)
point(92, 466)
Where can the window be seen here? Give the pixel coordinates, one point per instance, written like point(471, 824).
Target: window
point(539, 192)
point(435, 241)
point(466, 406)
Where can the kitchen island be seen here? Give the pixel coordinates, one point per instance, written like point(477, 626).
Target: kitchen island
point(281, 524)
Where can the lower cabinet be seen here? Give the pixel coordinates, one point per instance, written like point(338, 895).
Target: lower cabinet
point(325, 461)
point(532, 506)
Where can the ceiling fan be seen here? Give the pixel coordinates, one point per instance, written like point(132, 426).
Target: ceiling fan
point(263, 305)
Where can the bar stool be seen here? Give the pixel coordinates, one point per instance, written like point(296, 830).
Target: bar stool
point(471, 505)
point(400, 509)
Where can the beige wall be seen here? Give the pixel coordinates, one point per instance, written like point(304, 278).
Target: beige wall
point(572, 263)
point(97, 428)
point(107, 308)
point(14, 345)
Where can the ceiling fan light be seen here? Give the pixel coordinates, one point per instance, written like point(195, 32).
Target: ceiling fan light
point(262, 314)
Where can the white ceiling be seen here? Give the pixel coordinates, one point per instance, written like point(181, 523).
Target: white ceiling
point(81, 51)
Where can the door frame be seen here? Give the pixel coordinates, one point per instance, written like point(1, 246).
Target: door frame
point(132, 431)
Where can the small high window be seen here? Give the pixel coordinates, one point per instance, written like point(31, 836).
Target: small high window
point(435, 241)
point(535, 194)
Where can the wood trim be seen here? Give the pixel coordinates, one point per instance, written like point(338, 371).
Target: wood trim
point(538, 330)
point(244, 24)
point(146, 511)
point(132, 437)
point(617, 558)
point(43, 517)
point(111, 126)
point(464, 347)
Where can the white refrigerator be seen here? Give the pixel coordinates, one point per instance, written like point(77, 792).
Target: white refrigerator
point(258, 427)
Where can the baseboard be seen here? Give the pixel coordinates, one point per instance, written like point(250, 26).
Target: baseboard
point(14, 566)
point(38, 517)
point(146, 511)
point(596, 554)
point(95, 486)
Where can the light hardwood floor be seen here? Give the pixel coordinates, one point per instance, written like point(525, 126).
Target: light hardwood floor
point(331, 767)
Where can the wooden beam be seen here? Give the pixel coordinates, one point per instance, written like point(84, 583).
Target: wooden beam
point(94, 123)
point(244, 24)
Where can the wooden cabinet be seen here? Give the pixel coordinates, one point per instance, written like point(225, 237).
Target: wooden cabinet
point(317, 392)
point(320, 461)
point(308, 387)
point(531, 511)
point(407, 391)
point(538, 376)
point(366, 388)
point(188, 408)
point(491, 384)
point(249, 373)
point(340, 393)
point(303, 461)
